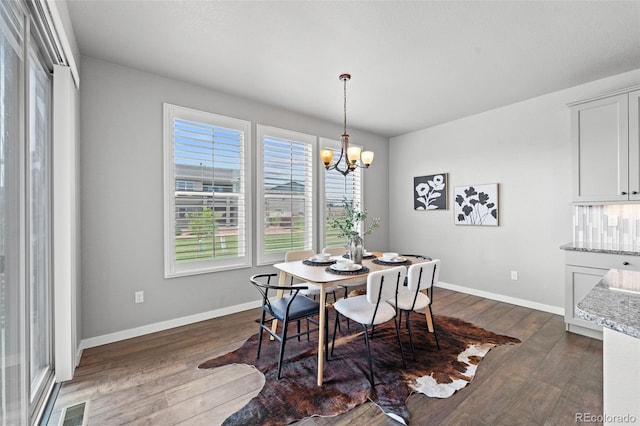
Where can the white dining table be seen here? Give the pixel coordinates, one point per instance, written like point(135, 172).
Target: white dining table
point(323, 279)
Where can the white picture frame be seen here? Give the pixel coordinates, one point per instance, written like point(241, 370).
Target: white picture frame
point(476, 205)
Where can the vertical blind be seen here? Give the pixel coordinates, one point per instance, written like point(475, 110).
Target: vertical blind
point(287, 188)
point(209, 196)
point(339, 188)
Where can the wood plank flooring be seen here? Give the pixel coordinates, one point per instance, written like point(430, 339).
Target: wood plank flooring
point(154, 380)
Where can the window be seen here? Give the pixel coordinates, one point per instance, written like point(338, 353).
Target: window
point(26, 298)
point(206, 182)
point(337, 188)
point(185, 185)
point(285, 192)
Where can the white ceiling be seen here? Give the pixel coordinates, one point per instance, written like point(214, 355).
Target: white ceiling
point(414, 63)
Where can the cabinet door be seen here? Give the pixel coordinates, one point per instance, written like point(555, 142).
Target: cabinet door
point(634, 145)
point(579, 282)
point(601, 149)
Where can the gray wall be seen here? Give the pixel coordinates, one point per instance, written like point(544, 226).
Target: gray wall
point(122, 197)
point(526, 148)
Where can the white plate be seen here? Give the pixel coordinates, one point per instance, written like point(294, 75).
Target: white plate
point(318, 260)
point(337, 267)
point(394, 260)
point(367, 253)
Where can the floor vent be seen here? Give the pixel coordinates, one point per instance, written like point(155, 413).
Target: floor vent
point(75, 415)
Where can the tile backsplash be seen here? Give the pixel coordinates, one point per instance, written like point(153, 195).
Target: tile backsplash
point(607, 224)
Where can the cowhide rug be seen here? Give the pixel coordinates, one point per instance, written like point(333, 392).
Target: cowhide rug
point(436, 373)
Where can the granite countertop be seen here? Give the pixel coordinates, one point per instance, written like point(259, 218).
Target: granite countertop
point(614, 302)
point(625, 249)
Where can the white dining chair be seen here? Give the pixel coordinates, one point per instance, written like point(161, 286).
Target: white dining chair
point(417, 295)
point(347, 285)
point(371, 309)
point(335, 250)
point(312, 289)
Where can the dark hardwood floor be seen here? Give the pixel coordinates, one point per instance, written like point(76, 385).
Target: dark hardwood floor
point(154, 380)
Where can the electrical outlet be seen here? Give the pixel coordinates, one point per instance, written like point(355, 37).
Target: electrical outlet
point(139, 296)
point(514, 275)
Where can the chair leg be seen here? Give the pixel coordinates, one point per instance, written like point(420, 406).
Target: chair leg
point(408, 325)
point(260, 330)
point(346, 295)
point(326, 335)
point(298, 329)
point(282, 344)
point(434, 328)
point(404, 364)
point(335, 327)
point(366, 341)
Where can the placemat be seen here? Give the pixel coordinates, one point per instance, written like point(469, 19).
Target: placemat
point(318, 262)
point(369, 256)
point(382, 262)
point(364, 270)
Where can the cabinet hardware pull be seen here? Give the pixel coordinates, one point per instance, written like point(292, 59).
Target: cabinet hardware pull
point(634, 192)
point(625, 263)
point(624, 193)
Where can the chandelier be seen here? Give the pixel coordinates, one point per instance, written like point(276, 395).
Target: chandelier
point(351, 154)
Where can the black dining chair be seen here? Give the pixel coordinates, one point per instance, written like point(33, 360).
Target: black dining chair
point(293, 307)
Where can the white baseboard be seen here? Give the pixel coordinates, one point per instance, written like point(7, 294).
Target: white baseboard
point(79, 354)
point(178, 322)
point(164, 325)
point(502, 298)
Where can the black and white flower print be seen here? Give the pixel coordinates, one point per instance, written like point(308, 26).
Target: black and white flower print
point(476, 205)
point(430, 192)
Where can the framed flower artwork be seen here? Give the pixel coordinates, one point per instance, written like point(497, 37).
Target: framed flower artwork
point(430, 192)
point(476, 205)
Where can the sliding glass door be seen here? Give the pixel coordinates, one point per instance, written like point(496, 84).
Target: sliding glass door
point(13, 402)
point(26, 349)
point(38, 179)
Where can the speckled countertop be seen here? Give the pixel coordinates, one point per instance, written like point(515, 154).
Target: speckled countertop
point(602, 248)
point(614, 302)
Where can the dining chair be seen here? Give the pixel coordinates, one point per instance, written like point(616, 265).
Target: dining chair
point(418, 256)
point(335, 250)
point(311, 288)
point(347, 285)
point(293, 307)
point(420, 277)
point(371, 309)
point(340, 251)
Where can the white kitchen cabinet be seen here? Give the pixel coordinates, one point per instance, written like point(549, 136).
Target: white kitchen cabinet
point(583, 270)
point(606, 148)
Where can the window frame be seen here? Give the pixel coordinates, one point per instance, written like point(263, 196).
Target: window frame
point(172, 268)
point(263, 130)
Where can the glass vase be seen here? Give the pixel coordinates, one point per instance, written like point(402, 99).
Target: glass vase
point(356, 249)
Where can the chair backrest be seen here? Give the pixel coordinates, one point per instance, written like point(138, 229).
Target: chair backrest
point(335, 251)
point(263, 287)
point(417, 256)
point(293, 255)
point(383, 285)
point(424, 276)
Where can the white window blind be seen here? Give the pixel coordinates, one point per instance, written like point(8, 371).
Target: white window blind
point(285, 192)
point(338, 188)
point(205, 192)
